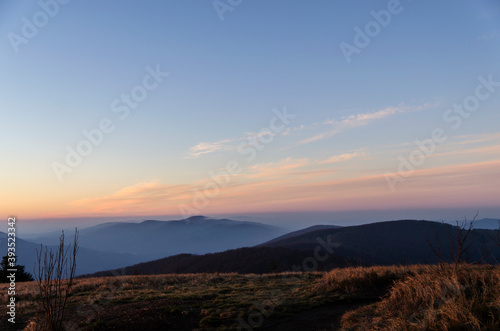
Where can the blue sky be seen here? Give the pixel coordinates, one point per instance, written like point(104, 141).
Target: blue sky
point(353, 120)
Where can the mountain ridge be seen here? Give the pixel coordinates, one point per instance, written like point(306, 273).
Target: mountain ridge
point(381, 243)
point(153, 239)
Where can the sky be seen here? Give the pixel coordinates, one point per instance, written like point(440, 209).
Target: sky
point(129, 109)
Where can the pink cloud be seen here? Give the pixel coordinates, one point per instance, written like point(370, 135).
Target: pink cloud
point(469, 185)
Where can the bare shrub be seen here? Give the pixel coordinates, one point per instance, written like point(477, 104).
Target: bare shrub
point(54, 273)
point(459, 245)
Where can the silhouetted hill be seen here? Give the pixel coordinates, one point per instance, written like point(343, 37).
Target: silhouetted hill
point(243, 260)
point(306, 230)
point(88, 260)
point(152, 239)
point(383, 243)
point(394, 242)
point(487, 223)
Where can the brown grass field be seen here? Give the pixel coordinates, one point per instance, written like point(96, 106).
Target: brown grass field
point(359, 298)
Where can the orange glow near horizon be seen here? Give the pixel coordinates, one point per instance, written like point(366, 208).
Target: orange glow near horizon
point(448, 186)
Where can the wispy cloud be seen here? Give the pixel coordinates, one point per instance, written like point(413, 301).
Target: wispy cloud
point(231, 144)
point(274, 169)
point(341, 158)
point(335, 126)
point(479, 152)
point(320, 136)
point(290, 166)
point(473, 185)
point(449, 186)
point(209, 147)
point(362, 119)
point(147, 196)
point(478, 138)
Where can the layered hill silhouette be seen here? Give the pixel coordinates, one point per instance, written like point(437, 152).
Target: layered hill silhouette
point(306, 230)
point(393, 242)
point(325, 247)
point(157, 239)
point(256, 260)
point(487, 224)
point(89, 260)
point(118, 244)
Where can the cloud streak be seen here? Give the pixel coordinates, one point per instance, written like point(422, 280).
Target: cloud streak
point(472, 186)
point(208, 147)
point(341, 158)
point(293, 168)
point(358, 120)
point(147, 196)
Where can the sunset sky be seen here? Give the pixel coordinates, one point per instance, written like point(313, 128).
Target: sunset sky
point(129, 108)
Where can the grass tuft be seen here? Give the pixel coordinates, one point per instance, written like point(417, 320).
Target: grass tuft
point(436, 299)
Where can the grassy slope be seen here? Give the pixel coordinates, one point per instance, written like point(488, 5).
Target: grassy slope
point(397, 298)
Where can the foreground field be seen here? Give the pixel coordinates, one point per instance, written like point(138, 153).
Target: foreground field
point(374, 298)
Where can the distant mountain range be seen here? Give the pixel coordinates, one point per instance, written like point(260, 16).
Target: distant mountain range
point(118, 244)
point(203, 244)
point(157, 239)
point(383, 243)
point(487, 223)
point(393, 242)
point(242, 260)
point(88, 260)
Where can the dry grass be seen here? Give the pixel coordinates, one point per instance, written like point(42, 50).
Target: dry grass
point(213, 299)
point(436, 299)
point(355, 279)
point(417, 297)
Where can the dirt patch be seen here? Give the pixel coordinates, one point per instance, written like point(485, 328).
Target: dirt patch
point(145, 315)
point(186, 315)
point(326, 317)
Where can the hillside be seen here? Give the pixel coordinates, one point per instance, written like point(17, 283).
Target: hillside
point(303, 231)
point(393, 242)
point(256, 260)
point(373, 298)
point(89, 260)
point(152, 239)
point(487, 224)
point(384, 243)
